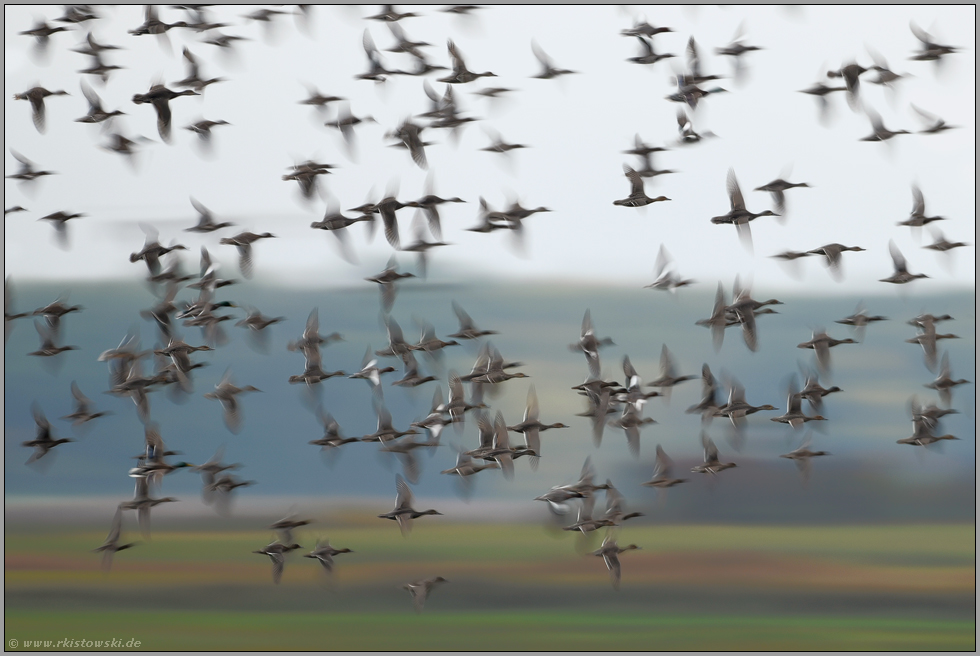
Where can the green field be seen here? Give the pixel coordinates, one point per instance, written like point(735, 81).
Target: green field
point(471, 631)
point(512, 587)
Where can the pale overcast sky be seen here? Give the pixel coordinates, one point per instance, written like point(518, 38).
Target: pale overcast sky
point(576, 126)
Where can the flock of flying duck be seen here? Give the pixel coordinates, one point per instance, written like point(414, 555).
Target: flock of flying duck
point(610, 404)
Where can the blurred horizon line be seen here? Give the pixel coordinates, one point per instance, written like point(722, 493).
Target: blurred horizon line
point(30, 509)
point(274, 279)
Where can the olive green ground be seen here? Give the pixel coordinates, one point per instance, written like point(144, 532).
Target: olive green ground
point(461, 631)
point(512, 587)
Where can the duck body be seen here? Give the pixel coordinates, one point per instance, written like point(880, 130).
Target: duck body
point(403, 512)
point(927, 340)
point(420, 591)
point(276, 551)
point(467, 328)
point(83, 408)
point(112, 544)
point(777, 189)
point(944, 382)
point(901, 275)
point(714, 467)
point(27, 173)
point(930, 50)
point(324, 554)
point(142, 502)
point(924, 434)
point(412, 377)
point(386, 432)
point(609, 552)
point(370, 370)
point(860, 319)
point(821, 343)
point(101, 69)
point(96, 114)
point(942, 245)
point(802, 456)
point(43, 441)
point(794, 415)
point(662, 472)
point(643, 28)
point(647, 54)
point(332, 437)
point(880, 132)
point(203, 128)
point(814, 392)
point(160, 96)
point(49, 336)
point(738, 215)
point(36, 96)
point(820, 90)
point(243, 242)
point(226, 393)
point(637, 197)
point(466, 467)
point(60, 221)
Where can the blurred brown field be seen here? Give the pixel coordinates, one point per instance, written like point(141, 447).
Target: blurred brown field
point(787, 587)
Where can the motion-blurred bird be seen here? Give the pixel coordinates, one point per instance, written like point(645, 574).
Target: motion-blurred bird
point(420, 590)
point(36, 95)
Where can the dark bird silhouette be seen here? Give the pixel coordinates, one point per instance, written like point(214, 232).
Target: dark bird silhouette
point(549, 70)
point(324, 554)
point(851, 74)
point(27, 172)
point(376, 70)
point(243, 242)
point(738, 215)
point(777, 189)
point(821, 343)
point(933, 124)
point(160, 96)
point(205, 221)
point(590, 344)
point(60, 221)
point(461, 74)
point(91, 47)
point(36, 95)
point(420, 590)
point(387, 280)
point(736, 49)
point(83, 408)
point(153, 25)
point(96, 114)
point(276, 551)
point(929, 49)
point(44, 440)
point(403, 512)
point(648, 56)
point(918, 217)
point(880, 132)
point(390, 15)
point(194, 80)
point(100, 68)
point(901, 275)
point(111, 544)
point(638, 196)
point(643, 28)
point(306, 175)
point(663, 472)
point(941, 244)
point(609, 552)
